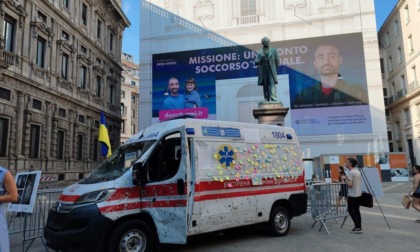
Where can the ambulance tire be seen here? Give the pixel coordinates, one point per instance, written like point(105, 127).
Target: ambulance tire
point(279, 223)
point(134, 235)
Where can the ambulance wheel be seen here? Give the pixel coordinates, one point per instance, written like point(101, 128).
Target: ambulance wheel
point(132, 236)
point(279, 223)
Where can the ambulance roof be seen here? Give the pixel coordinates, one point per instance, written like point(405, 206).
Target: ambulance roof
point(210, 128)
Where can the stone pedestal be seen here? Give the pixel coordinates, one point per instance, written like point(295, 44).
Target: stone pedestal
point(270, 113)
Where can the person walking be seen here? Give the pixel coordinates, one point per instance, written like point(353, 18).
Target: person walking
point(354, 181)
point(8, 193)
point(415, 192)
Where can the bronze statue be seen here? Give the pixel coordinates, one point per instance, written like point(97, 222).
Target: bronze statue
point(268, 61)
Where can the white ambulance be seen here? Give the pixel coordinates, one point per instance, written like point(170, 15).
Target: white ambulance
point(180, 178)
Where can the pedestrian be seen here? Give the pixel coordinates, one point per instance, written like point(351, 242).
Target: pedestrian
point(31, 168)
point(415, 192)
point(192, 97)
point(342, 176)
point(8, 193)
point(354, 181)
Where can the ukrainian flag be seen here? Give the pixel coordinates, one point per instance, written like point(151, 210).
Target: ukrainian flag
point(104, 137)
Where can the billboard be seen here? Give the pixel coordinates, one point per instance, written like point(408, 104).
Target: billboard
point(222, 73)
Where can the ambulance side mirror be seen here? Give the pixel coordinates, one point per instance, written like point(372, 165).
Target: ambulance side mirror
point(139, 174)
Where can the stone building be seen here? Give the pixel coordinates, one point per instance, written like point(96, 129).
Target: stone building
point(399, 40)
point(60, 65)
point(129, 97)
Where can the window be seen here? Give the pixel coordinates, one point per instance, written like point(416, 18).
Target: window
point(98, 29)
point(60, 144)
point(4, 132)
point(133, 113)
point(402, 79)
point(407, 116)
point(406, 14)
point(122, 109)
point(111, 94)
point(34, 141)
point(410, 43)
point(133, 83)
point(122, 94)
point(418, 111)
point(133, 99)
point(98, 88)
point(414, 73)
point(81, 119)
point(64, 66)
point(387, 39)
point(94, 153)
point(61, 112)
point(248, 8)
point(98, 62)
point(83, 73)
point(36, 104)
point(390, 63)
point(133, 129)
point(123, 127)
point(398, 130)
point(42, 17)
point(111, 42)
point(66, 3)
point(79, 147)
point(83, 49)
point(84, 14)
point(165, 158)
point(40, 53)
point(65, 35)
point(5, 94)
point(9, 33)
point(97, 124)
point(396, 27)
point(400, 56)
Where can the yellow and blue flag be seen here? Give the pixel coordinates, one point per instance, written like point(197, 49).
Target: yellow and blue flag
point(104, 137)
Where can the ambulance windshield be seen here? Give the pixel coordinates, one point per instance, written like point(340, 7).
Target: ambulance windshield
point(118, 163)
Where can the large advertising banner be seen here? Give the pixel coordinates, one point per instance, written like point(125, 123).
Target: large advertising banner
point(326, 90)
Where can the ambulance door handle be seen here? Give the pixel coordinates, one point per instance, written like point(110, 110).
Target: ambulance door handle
point(153, 200)
point(180, 186)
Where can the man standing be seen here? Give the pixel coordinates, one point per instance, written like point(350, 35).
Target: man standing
point(8, 193)
point(332, 90)
point(174, 100)
point(268, 61)
point(354, 194)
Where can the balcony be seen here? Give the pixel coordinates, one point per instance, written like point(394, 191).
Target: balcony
point(7, 58)
point(412, 87)
point(246, 20)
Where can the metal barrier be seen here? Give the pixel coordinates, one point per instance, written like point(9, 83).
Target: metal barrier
point(326, 204)
point(31, 225)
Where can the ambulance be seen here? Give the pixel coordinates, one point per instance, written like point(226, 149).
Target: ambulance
point(180, 178)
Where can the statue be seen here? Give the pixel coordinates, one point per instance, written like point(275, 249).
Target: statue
point(267, 61)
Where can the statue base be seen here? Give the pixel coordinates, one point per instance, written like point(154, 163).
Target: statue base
point(270, 112)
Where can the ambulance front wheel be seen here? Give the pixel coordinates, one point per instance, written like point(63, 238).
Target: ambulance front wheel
point(279, 223)
point(133, 236)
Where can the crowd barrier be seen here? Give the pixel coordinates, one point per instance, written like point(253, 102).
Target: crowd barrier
point(325, 203)
point(31, 225)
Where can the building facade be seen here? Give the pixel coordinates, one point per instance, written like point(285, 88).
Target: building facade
point(129, 97)
point(399, 40)
point(214, 40)
point(59, 67)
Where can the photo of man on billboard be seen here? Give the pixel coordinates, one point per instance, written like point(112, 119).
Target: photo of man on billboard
point(331, 89)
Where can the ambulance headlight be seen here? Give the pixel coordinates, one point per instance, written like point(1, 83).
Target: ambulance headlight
point(95, 197)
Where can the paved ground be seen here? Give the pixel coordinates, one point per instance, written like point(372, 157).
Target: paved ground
point(403, 236)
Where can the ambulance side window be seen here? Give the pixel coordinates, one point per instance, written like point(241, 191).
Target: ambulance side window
point(164, 162)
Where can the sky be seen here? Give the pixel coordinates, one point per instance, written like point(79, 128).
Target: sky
point(131, 9)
